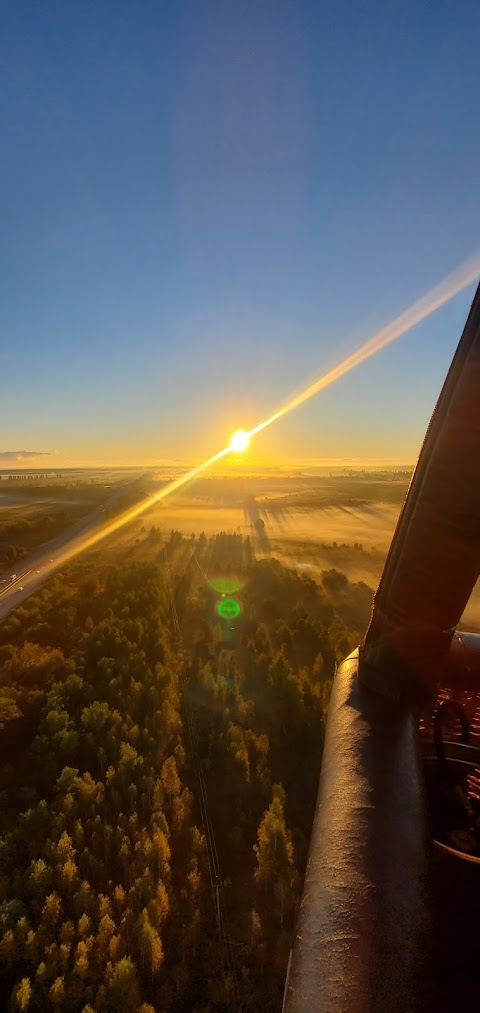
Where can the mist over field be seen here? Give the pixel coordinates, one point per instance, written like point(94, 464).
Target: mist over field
point(311, 520)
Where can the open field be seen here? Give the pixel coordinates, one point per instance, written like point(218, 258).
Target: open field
point(34, 511)
point(355, 541)
point(311, 522)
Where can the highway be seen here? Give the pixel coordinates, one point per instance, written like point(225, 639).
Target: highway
point(27, 575)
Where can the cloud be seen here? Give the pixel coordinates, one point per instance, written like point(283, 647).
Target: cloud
point(12, 456)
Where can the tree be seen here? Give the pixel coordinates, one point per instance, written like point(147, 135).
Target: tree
point(8, 710)
point(83, 926)
point(69, 874)
point(41, 971)
point(39, 877)
point(22, 994)
point(129, 760)
point(105, 932)
point(169, 777)
point(57, 992)
point(334, 581)
point(52, 908)
point(275, 871)
point(159, 906)
point(8, 950)
point(95, 717)
point(161, 852)
point(112, 872)
point(122, 990)
point(238, 764)
point(150, 945)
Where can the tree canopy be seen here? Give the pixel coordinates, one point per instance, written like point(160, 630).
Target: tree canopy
point(116, 740)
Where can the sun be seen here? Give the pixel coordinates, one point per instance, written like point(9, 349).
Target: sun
point(240, 440)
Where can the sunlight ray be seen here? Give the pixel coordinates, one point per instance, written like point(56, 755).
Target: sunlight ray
point(454, 283)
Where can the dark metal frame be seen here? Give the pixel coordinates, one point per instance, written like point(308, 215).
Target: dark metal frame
point(364, 931)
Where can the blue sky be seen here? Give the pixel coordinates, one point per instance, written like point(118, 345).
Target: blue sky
point(206, 204)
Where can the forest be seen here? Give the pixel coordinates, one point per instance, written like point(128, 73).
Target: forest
point(159, 763)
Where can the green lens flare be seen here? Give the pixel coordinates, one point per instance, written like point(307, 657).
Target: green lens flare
point(226, 585)
point(228, 608)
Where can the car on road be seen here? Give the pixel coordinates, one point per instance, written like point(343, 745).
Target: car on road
point(20, 589)
point(13, 576)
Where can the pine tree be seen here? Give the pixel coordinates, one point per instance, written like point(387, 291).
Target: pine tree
point(22, 994)
point(275, 871)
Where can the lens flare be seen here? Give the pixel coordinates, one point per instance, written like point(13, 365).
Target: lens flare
point(228, 608)
point(240, 440)
point(226, 585)
point(436, 297)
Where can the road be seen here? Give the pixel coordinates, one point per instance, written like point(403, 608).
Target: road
point(27, 575)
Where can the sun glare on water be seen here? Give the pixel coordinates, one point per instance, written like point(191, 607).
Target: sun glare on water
point(240, 440)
